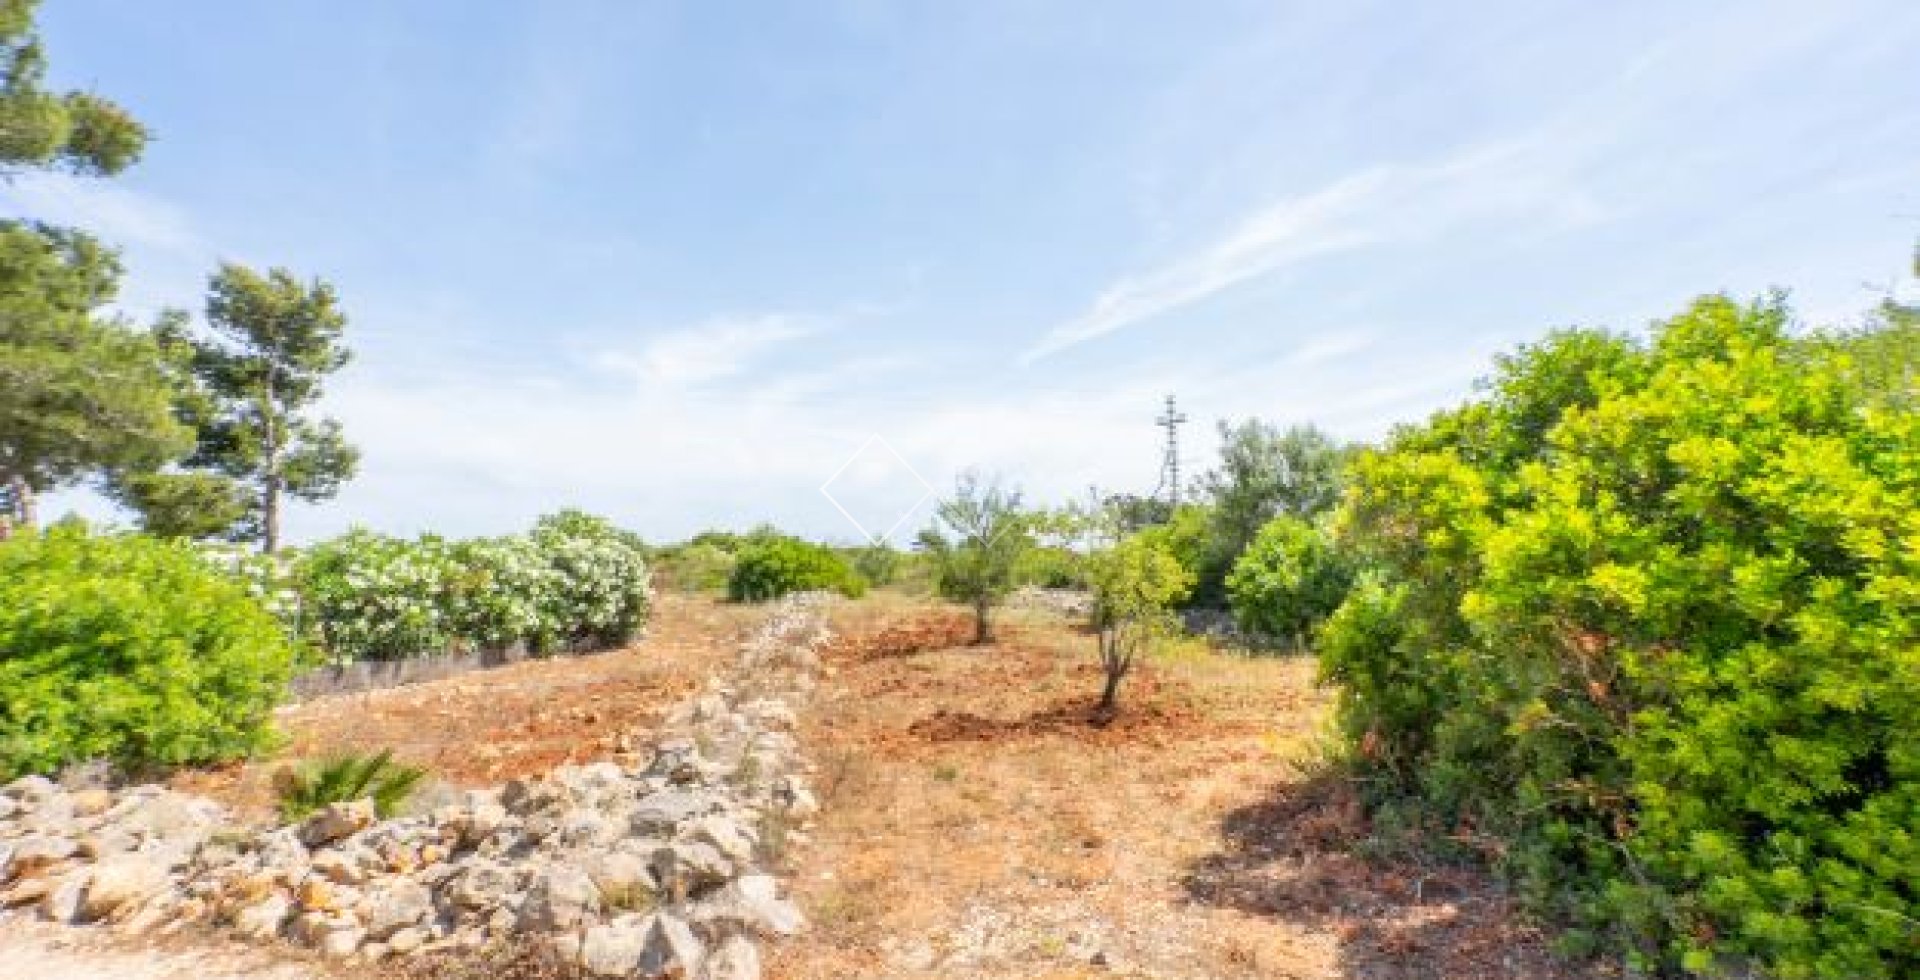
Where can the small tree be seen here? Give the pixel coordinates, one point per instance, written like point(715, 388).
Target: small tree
point(977, 541)
point(1135, 585)
point(275, 341)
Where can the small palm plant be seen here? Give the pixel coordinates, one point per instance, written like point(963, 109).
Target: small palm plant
point(350, 776)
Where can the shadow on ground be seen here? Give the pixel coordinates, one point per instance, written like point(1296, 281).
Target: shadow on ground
point(1294, 856)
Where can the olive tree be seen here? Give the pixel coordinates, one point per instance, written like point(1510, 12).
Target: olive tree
point(1136, 584)
point(977, 540)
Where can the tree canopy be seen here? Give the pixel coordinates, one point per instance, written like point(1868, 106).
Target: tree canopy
point(81, 391)
point(257, 373)
point(73, 131)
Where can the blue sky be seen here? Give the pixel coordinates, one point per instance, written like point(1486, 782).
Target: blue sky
point(677, 263)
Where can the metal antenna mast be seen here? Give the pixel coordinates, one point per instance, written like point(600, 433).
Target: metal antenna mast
point(1171, 420)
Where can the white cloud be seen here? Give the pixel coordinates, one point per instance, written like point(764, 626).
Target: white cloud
point(718, 349)
point(1377, 206)
point(115, 213)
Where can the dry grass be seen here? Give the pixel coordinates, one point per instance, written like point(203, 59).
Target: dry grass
point(978, 824)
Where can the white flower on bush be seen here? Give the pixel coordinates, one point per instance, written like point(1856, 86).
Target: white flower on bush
point(575, 582)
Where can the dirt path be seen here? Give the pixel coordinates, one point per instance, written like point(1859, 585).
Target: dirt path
point(33, 951)
point(978, 826)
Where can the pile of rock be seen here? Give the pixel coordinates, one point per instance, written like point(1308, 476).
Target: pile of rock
point(651, 868)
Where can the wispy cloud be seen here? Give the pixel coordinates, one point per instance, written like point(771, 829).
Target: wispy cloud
point(114, 212)
point(718, 349)
point(1381, 205)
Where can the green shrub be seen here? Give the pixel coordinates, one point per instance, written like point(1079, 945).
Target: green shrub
point(771, 568)
point(129, 649)
point(1289, 579)
point(697, 567)
point(345, 778)
point(1052, 567)
point(1646, 620)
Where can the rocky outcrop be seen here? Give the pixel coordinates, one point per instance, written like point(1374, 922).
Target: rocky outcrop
point(638, 866)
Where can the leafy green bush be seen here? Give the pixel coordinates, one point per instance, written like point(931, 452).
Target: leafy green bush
point(345, 778)
point(697, 567)
point(575, 582)
point(771, 568)
point(1289, 579)
point(129, 649)
point(1646, 621)
point(1052, 567)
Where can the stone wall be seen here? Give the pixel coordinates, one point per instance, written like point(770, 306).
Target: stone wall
point(647, 867)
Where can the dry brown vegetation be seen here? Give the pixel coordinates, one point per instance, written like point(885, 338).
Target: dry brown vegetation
point(980, 824)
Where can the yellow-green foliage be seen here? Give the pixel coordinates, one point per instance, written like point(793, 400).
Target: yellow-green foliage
point(129, 649)
point(1650, 614)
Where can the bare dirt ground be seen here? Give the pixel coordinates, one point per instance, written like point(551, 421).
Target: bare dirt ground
point(977, 825)
point(484, 728)
point(36, 951)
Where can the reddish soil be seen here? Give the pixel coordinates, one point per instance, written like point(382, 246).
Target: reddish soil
point(483, 728)
point(980, 824)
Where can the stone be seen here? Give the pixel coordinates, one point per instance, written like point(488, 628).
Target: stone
point(483, 885)
point(147, 917)
point(122, 881)
point(676, 760)
point(585, 828)
point(336, 821)
point(407, 940)
point(733, 841)
point(524, 797)
point(793, 796)
point(10, 807)
point(613, 950)
point(622, 873)
point(685, 869)
point(90, 802)
point(319, 894)
point(561, 897)
point(671, 948)
point(735, 958)
point(32, 855)
point(282, 852)
point(661, 813)
point(172, 817)
point(263, 919)
point(394, 904)
point(64, 900)
point(105, 843)
point(30, 789)
point(341, 943)
point(751, 903)
point(339, 867)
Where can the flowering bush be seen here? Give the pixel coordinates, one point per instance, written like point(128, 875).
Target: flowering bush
point(574, 583)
